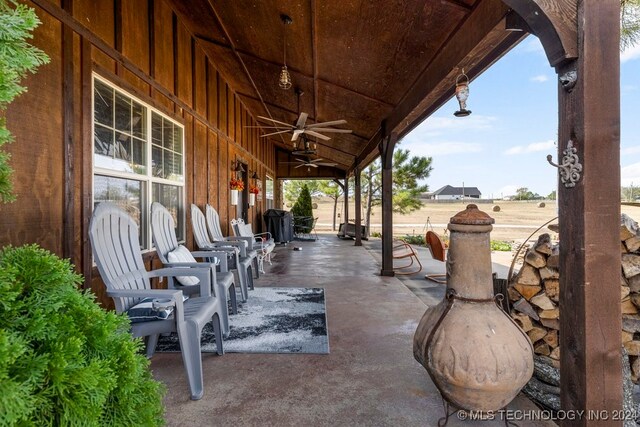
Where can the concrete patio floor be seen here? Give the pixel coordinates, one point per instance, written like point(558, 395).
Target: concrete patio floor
point(369, 378)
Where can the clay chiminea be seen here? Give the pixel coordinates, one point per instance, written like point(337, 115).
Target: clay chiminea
point(474, 352)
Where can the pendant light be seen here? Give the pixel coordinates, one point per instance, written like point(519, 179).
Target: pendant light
point(285, 78)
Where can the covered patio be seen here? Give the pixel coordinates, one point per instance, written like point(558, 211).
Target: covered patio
point(369, 378)
point(165, 101)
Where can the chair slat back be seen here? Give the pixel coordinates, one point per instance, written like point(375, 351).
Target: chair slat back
point(163, 228)
point(199, 225)
point(235, 226)
point(213, 223)
point(116, 249)
point(435, 245)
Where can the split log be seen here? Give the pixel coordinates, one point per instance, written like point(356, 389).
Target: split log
point(543, 245)
point(634, 284)
point(542, 301)
point(635, 368)
point(528, 275)
point(555, 354)
point(628, 307)
point(542, 348)
point(513, 294)
point(624, 292)
point(632, 244)
point(623, 248)
point(527, 291)
point(628, 227)
point(626, 336)
point(632, 347)
point(554, 259)
point(523, 321)
point(630, 265)
point(550, 314)
point(523, 306)
point(552, 289)
point(631, 323)
point(635, 299)
point(549, 273)
point(535, 259)
point(551, 338)
point(551, 323)
point(536, 334)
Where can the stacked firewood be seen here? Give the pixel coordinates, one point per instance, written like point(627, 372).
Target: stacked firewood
point(534, 294)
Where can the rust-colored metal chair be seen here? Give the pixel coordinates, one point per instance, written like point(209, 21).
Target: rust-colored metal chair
point(438, 252)
point(403, 250)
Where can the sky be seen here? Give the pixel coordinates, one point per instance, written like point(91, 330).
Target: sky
point(503, 144)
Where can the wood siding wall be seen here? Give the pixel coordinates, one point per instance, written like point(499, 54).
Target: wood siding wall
point(142, 47)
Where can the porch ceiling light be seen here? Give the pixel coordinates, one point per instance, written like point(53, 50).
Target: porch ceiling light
point(238, 167)
point(284, 80)
point(462, 93)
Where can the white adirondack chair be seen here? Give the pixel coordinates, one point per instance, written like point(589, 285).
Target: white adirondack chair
point(116, 250)
point(262, 242)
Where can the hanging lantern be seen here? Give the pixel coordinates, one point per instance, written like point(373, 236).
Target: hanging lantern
point(284, 80)
point(462, 94)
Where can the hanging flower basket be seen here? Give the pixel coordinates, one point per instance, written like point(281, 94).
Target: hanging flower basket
point(234, 197)
point(252, 199)
point(235, 185)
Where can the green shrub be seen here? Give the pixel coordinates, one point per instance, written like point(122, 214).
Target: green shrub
point(303, 205)
point(376, 234)
point(499, 245)
point(413, 240)
point(63, 359)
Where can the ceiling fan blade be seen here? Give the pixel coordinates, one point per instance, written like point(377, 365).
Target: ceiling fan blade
point(296, 134)
point(331, 130)
point(299, 166)
point(276, 121)
point(301, 120)
point(275, 133)
point(267, 127)
point(326, 164)
point(331, 123)
point(313, 165)
point(317, 135)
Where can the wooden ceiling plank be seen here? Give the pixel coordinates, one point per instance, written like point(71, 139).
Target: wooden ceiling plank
point(314, 51)
point(480, 22)
point(459, 4)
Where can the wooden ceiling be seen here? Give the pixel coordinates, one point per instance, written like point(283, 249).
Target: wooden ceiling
point(366, 61)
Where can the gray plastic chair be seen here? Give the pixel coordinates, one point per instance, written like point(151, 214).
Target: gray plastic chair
point(116, 250)
point(213, 225)
point(165, 241)
point(235, 248)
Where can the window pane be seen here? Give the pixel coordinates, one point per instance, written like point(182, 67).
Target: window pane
point(167, 135)
point(156, 126)
point(139, 121)
point(123, 113)
point(127, 194)
point(103, 104)
point(139, 153)
point(102, 141)
point(170, 197)
point(176, 173)
point(157, 165)
point(177, 138)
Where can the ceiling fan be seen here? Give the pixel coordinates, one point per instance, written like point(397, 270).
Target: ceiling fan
point(301, 127)
point(309, 163)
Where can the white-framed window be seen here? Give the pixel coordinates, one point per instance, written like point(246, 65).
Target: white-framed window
point(138, 157)
point(268, 192)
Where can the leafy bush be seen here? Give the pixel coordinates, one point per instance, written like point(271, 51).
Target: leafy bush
point(17, 58)
point(376, 234)
point(63, 359)
point(499, 245)
point(303, 205)
point(413, 240)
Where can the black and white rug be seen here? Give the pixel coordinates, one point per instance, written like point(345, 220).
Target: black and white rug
point(273, 320)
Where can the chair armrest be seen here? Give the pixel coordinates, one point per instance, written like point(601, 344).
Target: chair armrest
point(241, 245)
point(203, 271)
point(145, 293)
point(262, 234)
point(219, 256)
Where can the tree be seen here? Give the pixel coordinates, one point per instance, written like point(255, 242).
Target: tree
point(302, 206)
point(17, 58)
point(292, 189)
point(552, 195)
point(332, 190)
point(630, 23)
point(407, 172)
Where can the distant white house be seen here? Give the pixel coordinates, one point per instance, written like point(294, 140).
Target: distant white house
point(455, 193)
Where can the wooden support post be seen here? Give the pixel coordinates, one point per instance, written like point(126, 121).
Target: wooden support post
point(358, 206)
point(69, 118)
point(386, 157)
point(589, 116)
point(346, 205)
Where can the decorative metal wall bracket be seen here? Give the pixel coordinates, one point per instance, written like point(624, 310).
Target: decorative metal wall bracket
point(570, 168)
point(568, 80)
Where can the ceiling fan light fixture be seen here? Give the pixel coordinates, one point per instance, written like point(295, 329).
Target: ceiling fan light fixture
point(284, 80)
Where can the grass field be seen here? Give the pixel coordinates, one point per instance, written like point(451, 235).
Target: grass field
point(515, 221)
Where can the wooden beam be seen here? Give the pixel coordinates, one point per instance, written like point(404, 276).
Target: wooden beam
point(554, 22)
point(589, 116)
point(345, 216)
point(358, 206)
point(314, 56)
point(68, 114)
point(484, 18)
point(386, 157)
point(87, 158)
point(458, 4)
